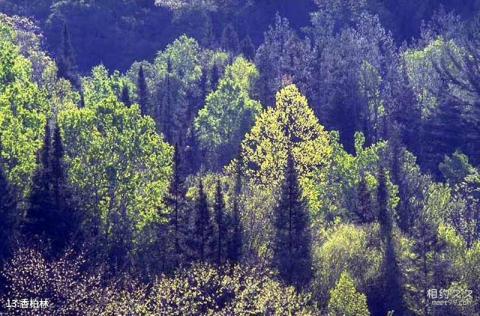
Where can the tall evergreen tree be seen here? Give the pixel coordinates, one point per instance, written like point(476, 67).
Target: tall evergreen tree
point(217, 73)
point(442, 134)
point(193, 153)
point(292, 241)
point(247, 47)
point(51, 217)
point(176, 203)
point(364, 209)
point(230, 41)
point(67, 67)
point(202, 239)
point(392, 287)
point(221, 224)
point(8, 207)
point(235, 243)
point(125, 97)
point(142, 90)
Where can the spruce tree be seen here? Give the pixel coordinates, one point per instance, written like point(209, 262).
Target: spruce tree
point(292, 241)
point(63, 197)
point(125, 97)
point(193, 155)
point(8, 208)
point(67, 68)
point(217, 73)
point(202, 239)
point(392, 287)
point(40, 221)
point(142, 90)
point(235, 242)
point(442, 134)
point(176, 203)
point(364, 209)
point(221, 224)
point(230, 41)
point(51, 218)
point(247, 47)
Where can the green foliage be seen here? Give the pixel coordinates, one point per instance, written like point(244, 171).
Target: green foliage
point(345, 300)
point(115, 157)
point(291, 124)
point(203, 290)
point(23, 112)
point(347, 248)
point(229, 112)
point(338, 186)
point(456, 168)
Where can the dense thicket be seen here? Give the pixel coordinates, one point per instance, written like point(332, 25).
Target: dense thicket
point(232, 157)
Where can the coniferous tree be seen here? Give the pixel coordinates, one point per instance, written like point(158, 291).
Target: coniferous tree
point(247, 47)
point(176, 203)
point(67, 68)
point(142, 90)
point(82, 99)
point(51, 217)
point(235, 243)
point(230, 41)
point(202, 239)
point(217, 73)
point(69, 216)
point(221, 224)
point(8, 207)
point(125, 97)
point(364, 210)
point(443, 133)
point(392, 287)
point(292, 241)
point(192, 153)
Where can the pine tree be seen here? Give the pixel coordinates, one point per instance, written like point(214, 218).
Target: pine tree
point(125, 97)
point(202, 238)
point(217, 73)
point(51, 217)
point(8, 207)
point(248, 49)
point(442, 134)
point(176, 203)
point(63, 197)
point(392, 287)
point(221, 224)
point(364, 210)
point(235, 243)
point(292, 241)
point(193, 155)
point(67, 68)
point(230, 41)
point(82, 99)
point(142, 90)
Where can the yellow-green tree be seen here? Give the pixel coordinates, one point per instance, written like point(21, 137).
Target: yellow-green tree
point(345, 300)
point(116, 158)
point(290, 124)
point(229, 112)
point(23, 112)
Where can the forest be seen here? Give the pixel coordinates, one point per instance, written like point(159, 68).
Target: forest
point(228, 157)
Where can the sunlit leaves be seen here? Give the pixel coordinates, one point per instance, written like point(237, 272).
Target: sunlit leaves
point(116, 159)
point(23, 110)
